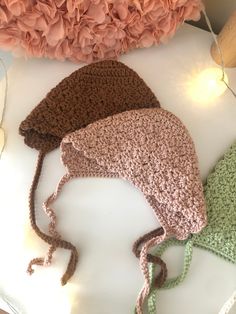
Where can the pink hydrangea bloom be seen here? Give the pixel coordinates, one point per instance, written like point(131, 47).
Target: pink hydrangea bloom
point(90, 30)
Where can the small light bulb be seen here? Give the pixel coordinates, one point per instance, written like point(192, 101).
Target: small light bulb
point(207, 85)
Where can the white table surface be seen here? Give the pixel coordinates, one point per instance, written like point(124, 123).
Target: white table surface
point(103, 217)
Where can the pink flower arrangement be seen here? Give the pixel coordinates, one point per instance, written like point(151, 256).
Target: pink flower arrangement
point(90, 30)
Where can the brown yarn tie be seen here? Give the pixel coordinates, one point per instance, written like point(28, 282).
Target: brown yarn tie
point(52, 241)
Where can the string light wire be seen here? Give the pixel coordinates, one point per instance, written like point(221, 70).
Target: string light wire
point(219, 51)
point(5, 91)
point(4, 106)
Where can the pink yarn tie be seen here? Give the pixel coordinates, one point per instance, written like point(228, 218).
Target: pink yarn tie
point(144, 268)
point(52, 216)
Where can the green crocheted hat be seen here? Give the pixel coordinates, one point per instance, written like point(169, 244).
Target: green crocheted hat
point(219, 236)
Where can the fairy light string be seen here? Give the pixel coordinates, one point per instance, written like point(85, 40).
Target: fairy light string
point(2, 116)
point(219, 51)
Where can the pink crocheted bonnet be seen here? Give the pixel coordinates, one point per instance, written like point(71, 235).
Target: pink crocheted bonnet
point(152, 149)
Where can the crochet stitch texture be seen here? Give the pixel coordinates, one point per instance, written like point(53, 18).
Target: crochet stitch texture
point(219, 236)
point(152, 149)
point(89, 94)
point(220, 192)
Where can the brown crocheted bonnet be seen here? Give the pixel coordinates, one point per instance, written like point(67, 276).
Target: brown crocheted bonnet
point(152, 149)
point(89, 94)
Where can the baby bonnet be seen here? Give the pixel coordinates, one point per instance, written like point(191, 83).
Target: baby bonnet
point(153, 150)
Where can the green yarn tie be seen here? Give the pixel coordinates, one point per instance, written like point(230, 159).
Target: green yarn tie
point(152, 295)
point(172, 282)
